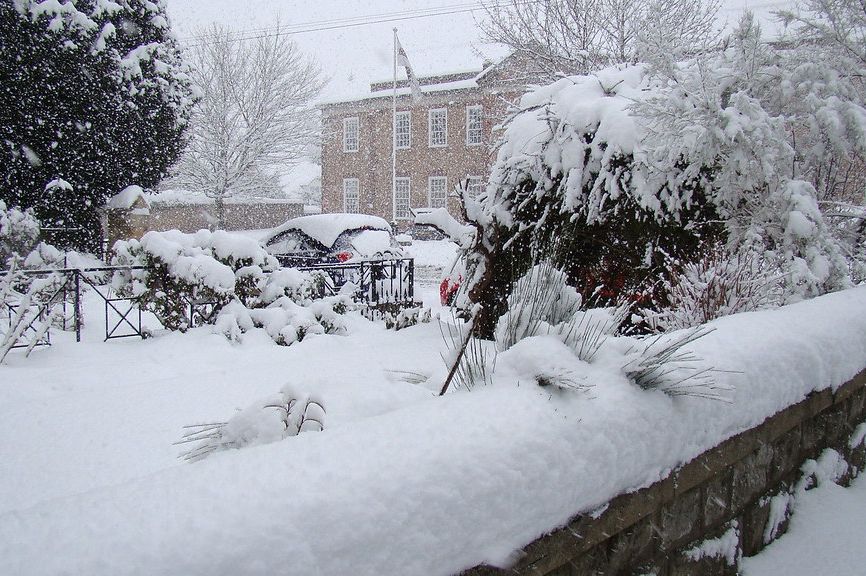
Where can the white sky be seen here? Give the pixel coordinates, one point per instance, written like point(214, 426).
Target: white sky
point(353, 57)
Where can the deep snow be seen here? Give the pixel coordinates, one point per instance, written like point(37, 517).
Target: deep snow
point(400, 481)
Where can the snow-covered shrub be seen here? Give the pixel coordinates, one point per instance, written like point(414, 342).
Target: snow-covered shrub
point(231, 273)
point(27, 308)
point(665, 363)
point(285, 321)
point(718, 284)
point(613, 174)
point(400, 318)
point(181, 269)
point(467, 357)
point(542, 303)
point(286, 413)
point(19, 232)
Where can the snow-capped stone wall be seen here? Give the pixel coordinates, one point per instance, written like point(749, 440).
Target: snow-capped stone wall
point(729, 502)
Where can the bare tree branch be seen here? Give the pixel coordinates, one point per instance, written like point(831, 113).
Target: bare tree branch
point(255, 115)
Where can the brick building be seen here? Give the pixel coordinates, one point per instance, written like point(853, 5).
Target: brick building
point(442, 138)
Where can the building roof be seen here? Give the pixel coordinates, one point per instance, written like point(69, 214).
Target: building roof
point(444, 82)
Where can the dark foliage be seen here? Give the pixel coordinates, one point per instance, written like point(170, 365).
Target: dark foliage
point(68, 111)
point(620, 258)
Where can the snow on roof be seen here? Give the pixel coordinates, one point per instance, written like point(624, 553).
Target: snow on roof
point(126, 198)
point(403, 91)
point(326, 228)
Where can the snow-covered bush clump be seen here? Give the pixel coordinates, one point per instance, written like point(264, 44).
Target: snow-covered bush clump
point(718, 284)
point(286, 413)
point(545, 313)
point(233, 277)
point(19, 232)
point(613, 174)
point(542, 303)
point(29, 303)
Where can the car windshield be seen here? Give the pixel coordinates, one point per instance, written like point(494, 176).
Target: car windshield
point(290, 241)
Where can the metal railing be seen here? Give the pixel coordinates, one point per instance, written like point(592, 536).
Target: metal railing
point(376, 282)
point(122, 315)
point(384, 284)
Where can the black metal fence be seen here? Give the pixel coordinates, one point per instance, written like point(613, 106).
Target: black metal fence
point(377, 284)
point(63, 288)
point(372, 282)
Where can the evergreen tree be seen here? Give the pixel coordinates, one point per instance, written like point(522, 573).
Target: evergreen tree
point(93, 97)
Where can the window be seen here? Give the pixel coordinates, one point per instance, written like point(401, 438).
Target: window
point(402, 191)
point(437, 126)
point(350, 134)
point(403, 130)
point(475, 187)
point(474, 125)
point(351, 200)
point(437, 191)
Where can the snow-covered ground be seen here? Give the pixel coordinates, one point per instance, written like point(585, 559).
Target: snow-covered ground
point(400, 481)
point(826, 535)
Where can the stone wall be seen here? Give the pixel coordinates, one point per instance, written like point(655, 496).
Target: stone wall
point(726, 490)
point(122, 225)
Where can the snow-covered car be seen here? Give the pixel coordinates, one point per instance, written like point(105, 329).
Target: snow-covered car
point(331, 238)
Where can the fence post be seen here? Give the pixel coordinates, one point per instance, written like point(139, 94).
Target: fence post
point(77, 306)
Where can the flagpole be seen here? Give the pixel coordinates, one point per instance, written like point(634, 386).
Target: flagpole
point(394, 136)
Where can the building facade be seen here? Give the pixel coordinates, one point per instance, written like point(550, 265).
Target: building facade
point(442, 139)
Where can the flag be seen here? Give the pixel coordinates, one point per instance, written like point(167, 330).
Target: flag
point(403, 61)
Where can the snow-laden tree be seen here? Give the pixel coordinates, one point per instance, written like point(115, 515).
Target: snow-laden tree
point(773, 125)
point(558, 37)
point(824, 92)
point(93, 97)
point(616, 174)
point(256, 114)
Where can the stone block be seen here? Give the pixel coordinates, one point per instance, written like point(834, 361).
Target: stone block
point(692, 474)
point(730, 451)
point(820, 401)
point(681, 520)
point(548, 553)
point(832, 427)
point(716, 496)
point(786, 456)
point(632, 546)
point(853, 386)
point(750, 478)
point(784, 421)
point(753, 522)
point(857, 408)
point(857, 459)
point(811, 442)
point(592, 563)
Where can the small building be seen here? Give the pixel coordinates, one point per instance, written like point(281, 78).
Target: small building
point(442, 138)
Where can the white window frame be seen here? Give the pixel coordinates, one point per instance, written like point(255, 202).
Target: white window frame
point(474, 133)
point(476, 183)
point(351, 193)
point(444, 129)
point(399, 214)
point(351, 127)
point(441, 190)
point(407, 135)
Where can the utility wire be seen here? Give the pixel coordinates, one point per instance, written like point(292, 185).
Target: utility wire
point(355, 21)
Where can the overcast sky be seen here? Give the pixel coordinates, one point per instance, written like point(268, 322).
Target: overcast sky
point(355, 56)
